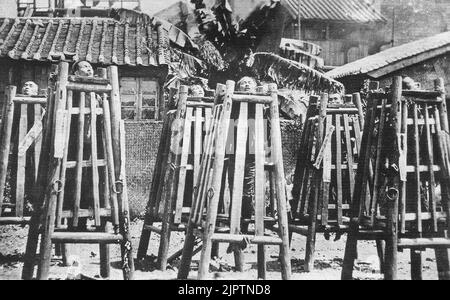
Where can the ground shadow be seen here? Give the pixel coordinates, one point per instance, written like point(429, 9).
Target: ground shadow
point(11, 259)
point(298, 265)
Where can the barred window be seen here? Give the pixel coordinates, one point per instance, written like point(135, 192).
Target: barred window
point(139, 98)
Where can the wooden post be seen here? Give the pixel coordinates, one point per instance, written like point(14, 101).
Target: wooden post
point(105, 269)
point(358, 103)
point(172, 181)
point(216, 181)
point(393, 193)
point(111, 164)
point(299, 19)
point(442, 256)
point(238, 186)
point(351, 248)
point(126, 245)
point(33, 233)
point(21, 161)
point(116, 111)
point(51, 199)
point(156, 188)
point(5, 145)
point(416, 265)
point(381, 250)
point(442, 261)
point(115, 121)
point(277, 154)
point(260, 186)
point(310, 248)
point(38, 144)
point(80, 152)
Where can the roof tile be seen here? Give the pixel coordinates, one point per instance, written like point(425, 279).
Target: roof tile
point(96, 40)
point(392, 55)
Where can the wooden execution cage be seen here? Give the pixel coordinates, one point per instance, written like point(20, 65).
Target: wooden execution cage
point(178, 164)
point(20, 149)
point(230, 150)
point(81, 188)
point(325, 174)
point(404, 162)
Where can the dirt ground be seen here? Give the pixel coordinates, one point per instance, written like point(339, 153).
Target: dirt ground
point(328, 263)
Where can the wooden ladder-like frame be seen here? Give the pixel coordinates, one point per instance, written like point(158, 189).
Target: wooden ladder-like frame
point(210, 183)
point(180, 151)
point(325, 175)
point(15, 120)
point(409, 131)
point(59, 215)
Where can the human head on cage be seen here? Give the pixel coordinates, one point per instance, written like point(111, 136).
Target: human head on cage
point(30, 88)
point(83, 68)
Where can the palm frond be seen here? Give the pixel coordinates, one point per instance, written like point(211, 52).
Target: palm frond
point(290, 74)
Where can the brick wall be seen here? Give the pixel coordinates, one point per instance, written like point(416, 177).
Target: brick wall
point(415, 19)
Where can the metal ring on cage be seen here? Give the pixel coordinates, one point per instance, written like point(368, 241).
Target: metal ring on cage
point(195, 190)
point(392, 194)
point(211, 193)
point(58, 186)
point(116, 185)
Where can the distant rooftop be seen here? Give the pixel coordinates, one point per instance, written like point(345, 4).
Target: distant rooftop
point(396, 58)
point(354, 11)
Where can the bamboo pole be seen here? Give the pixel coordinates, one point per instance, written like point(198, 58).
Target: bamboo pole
point(38, 191)
point(94, 160)
point(21, 162)
point(126, 245)
point(79, 160)
point(110, 164)
point(260, 186)
point(160, 169)
point(216, 182)
point(50, 192)
point(351, 247)
point(172, 178)
point(393, 193)
point(7, 124)
point(310, 247)
point(277, 155)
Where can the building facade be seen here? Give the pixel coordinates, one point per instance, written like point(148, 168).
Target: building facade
point(31, 47)
point(411, 20)
point(346, 30)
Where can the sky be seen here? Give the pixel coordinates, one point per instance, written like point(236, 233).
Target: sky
point(148, 6)
point(153, 6)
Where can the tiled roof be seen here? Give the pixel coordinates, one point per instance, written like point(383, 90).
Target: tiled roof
point(97, 40)
point(358, 11)
point(422, 49)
